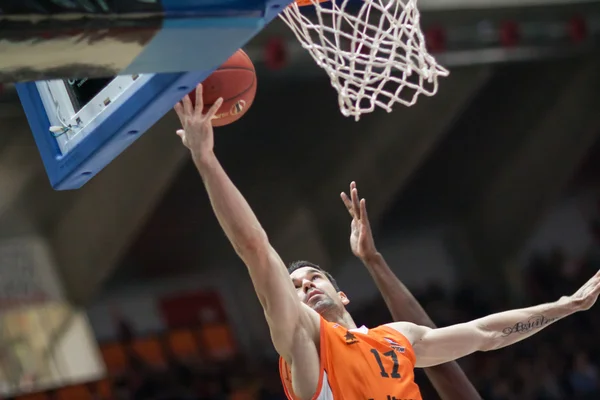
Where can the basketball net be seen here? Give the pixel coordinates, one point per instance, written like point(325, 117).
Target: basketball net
point(374, 55)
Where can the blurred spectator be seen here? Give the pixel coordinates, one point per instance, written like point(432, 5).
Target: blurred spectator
point(584, 376)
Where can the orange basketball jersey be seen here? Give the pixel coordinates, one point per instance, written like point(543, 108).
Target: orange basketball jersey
point(361, 364)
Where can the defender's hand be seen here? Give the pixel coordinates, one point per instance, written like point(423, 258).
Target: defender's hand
point(197, 133)
point(586, 296)
point(361, 237)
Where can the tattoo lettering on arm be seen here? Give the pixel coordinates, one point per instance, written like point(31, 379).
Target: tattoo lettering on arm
point(535, 322)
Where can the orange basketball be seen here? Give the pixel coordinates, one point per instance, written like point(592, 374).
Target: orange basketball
point(235, 82)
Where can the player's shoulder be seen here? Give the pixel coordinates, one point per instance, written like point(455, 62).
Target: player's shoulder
point(401, 326)
point(405, 329)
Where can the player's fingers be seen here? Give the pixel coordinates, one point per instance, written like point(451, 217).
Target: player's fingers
point(363, 213)
point(188, 109)
point(355, 203)
point(179, 110)
point(180, 133)
point(199, 99)
point(347, 203)
point(180, 113)
point(215, 107)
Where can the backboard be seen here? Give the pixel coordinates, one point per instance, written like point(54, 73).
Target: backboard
point(82, 120)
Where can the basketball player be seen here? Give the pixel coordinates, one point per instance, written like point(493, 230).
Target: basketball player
point(448, 379)
point(324, 355)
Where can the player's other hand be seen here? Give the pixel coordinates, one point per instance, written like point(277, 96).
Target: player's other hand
point(361, 237)
point(586, 296)
point(197, 133)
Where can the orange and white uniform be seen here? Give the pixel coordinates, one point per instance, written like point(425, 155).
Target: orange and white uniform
point(361, 364)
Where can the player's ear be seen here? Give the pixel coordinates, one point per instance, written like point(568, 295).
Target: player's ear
point(344, 298)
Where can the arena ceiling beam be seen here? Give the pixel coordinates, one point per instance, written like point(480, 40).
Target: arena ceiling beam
point(18, 164)
point(479, 144)
point(388, 150)
point(300, 238)
point(105, 216)
point(435, 5)
point(538, 169)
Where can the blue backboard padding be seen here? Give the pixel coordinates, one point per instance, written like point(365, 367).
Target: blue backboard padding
point(170, 50)
point(207, 6)
point(217, 38)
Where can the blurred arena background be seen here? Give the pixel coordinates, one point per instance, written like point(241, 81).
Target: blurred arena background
point(482, 197)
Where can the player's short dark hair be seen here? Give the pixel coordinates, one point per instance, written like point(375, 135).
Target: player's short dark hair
point(301, 264)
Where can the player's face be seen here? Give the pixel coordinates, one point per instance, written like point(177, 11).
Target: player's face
point(316, 291)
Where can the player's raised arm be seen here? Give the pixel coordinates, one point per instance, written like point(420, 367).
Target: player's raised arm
point(449, 380)
point(275, 290)
point(436, 346)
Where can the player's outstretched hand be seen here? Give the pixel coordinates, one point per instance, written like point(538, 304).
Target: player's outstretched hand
point(361, 237)
point(586, 296)
point(197, 133)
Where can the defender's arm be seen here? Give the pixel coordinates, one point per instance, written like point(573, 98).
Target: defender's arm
point(284, 311)
point(448, 379)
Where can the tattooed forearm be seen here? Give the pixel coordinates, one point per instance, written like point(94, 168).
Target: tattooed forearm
point(535, 322)
point(509, 327)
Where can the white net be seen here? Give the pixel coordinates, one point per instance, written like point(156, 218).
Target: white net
point(374, 53)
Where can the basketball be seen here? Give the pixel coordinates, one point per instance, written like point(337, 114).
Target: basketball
point(235, 82)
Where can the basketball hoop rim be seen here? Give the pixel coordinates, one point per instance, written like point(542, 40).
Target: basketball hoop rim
point(304, 3)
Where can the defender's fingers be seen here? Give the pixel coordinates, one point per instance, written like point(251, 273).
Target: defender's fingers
point(355, 203)
point(364, 217)
point(347, 203)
